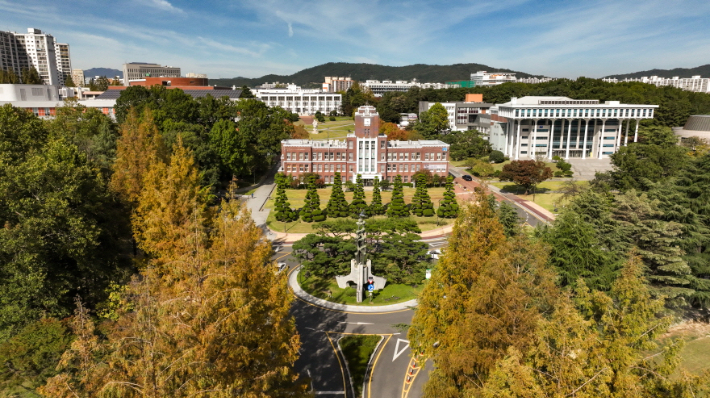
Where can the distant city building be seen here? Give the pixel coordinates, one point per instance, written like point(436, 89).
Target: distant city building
point(461, 84)
point(485, 79)
point(379, 88)
point(559, 126)
point(464, 115)
point(114, 92)
point(335, 84)
point(267, 86)
point(44, 100)
point(696, 83)
point(536, 80)
point(198, 75)
point(20, 51)
point(141, 70)
point(191, 82)
point(365, 152)
point(77, 76)
point(297, 100)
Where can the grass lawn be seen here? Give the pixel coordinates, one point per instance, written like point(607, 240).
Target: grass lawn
point(332, 130)
point(296, 198)
point(545, 194)
point(318, 287)
point(357, 351)
point(695, 356)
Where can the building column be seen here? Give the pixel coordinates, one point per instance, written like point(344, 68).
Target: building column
point(626, 136)
point(601, 139)
point(562, 135)
point(517, 151)
point(618, 137)
point(584, 150)
point(534, 143)
point(569, 137)
point(579, 132)
point(549, 139)
point(594, 134)
point(508, 139)
point(636, 134)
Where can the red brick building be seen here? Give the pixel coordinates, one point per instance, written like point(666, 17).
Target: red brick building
point(366, 152)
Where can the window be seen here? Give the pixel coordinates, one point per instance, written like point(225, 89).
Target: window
point(337, 168)
point(382, 144)
point(331, 156)
point(418, 155)
point(438, 156)
point(288, 168)
point(382, 156)
point(406, 179)
point(426, 156)
point(350, 145)
point(406, 167)
point(382, 168)
point(288, 155)
point(350, 156)
point(406, 156)
point(305, 167)
point(300, 167)
point(351, 169)
point(315, 156)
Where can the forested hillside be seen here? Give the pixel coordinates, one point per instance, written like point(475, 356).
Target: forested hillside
point(703, 70)
point(362, 72)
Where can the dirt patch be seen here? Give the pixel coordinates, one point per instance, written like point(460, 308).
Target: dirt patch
point(307, 119)
point(688, 329)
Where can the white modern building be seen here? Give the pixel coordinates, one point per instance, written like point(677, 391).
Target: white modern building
point(485, 79)
point(696, 83)
point(561, 126)
point(334, 84)
point(43, 100)
point(464, 115)
point(535, 80)
point(300, 101)
point(141, 70)
point(379, 88)
point(19, 51)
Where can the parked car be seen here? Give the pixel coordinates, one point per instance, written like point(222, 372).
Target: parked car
point(280, 266)
point(467, 177)
point(433, 254)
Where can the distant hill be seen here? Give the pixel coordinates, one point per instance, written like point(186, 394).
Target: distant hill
point(703, 71)
point(108, 72)
point(315, 76)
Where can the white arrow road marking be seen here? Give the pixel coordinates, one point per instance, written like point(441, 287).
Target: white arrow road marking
point(397, 351)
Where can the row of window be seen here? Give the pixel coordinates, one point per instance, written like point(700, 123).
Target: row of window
point(615, 112)
point(391, 168)
point(391, 156)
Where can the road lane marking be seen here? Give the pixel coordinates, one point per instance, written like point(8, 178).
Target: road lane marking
point(358, 323)
point(329, 393)
point(397, 351)
point(369, 383)
point(342, 370)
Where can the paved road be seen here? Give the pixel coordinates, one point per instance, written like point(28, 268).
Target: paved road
point(320, 360)
point(526, 215)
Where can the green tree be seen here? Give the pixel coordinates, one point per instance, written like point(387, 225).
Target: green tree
point(401, 255)
point(68, 81)
point(385, 184)
point(8, 77)
point(509, 219)
point(246, 92)
point(376, 208)
point(337, 205)
point(466, 144)
point(432, 122)
point(324, 254)
point(480, 168)
point(397, 208)
point(421, 202)
point(526, 173)
point(358, 205)
point(485, 295)
point(311, 211)
point(607, 349)
point(282, 207)
point(30, 76)
point(448, 207)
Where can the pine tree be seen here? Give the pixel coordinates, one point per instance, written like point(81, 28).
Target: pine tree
point(421, 202)
point(509, 219)
point(486, 294)
point(397, 208)
point(282, 207)
point(358, 205)
point(448, 207)
point(311, 211)
point(337, 205)
point(376, 208)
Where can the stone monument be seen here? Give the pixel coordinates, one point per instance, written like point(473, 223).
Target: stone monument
point(361, 267)
point(315, 126)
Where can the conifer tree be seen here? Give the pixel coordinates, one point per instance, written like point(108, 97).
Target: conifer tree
point(282, 207)
point(421, 202)
point(448, 207)
point(376, 208)
point(604, 349)
point(486, 294)
point(509, 219)
point(337, 205)
point(311, 211)
point(358, 204)
point(397, 208)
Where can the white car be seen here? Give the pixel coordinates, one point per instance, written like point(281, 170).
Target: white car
point(280, 266)
point(434, 254)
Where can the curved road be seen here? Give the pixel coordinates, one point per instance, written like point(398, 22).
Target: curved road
point(321, 361)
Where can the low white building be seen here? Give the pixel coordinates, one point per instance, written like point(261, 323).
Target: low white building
point(561, 126)
point(696, 83)
point(485, 79)
point(297, 100)
point(379, 88)
point(43, 100)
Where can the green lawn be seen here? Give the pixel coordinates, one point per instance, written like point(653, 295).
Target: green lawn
point(296, 198)
point(357, 351)
point(332, 130)
point(546, 195)
point(391, 294)
point(695, 356)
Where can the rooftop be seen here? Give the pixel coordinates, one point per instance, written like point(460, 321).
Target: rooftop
point(232, 94)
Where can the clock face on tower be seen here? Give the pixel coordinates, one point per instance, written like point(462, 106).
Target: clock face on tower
point(367, 121)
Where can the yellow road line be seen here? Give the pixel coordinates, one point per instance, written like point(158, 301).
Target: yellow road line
point(405, 388)
point(369, 383)
point(342, 370)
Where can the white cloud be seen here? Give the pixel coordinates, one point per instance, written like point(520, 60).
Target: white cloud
point(163, 5)
point(290, 30)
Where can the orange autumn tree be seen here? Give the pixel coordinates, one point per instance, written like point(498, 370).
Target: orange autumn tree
point(393, 132)
point(486, 295)
point(207, 316)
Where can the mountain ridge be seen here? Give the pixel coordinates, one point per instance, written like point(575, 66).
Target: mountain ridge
point(702, 70)
point(315, 75)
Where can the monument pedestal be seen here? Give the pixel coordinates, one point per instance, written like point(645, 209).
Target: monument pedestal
point(361, 276)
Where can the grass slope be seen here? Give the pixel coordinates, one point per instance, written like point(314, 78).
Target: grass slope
point(357, 351)
point(391, 294)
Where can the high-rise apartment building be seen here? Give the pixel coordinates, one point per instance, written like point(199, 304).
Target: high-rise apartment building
point(77, 76)
point(141, 70)
point(20, 51)
point(335, 84)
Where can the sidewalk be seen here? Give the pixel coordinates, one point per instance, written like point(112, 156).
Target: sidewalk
point(300, 293)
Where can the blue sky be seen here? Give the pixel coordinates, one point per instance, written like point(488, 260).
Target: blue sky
point(563, 38)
